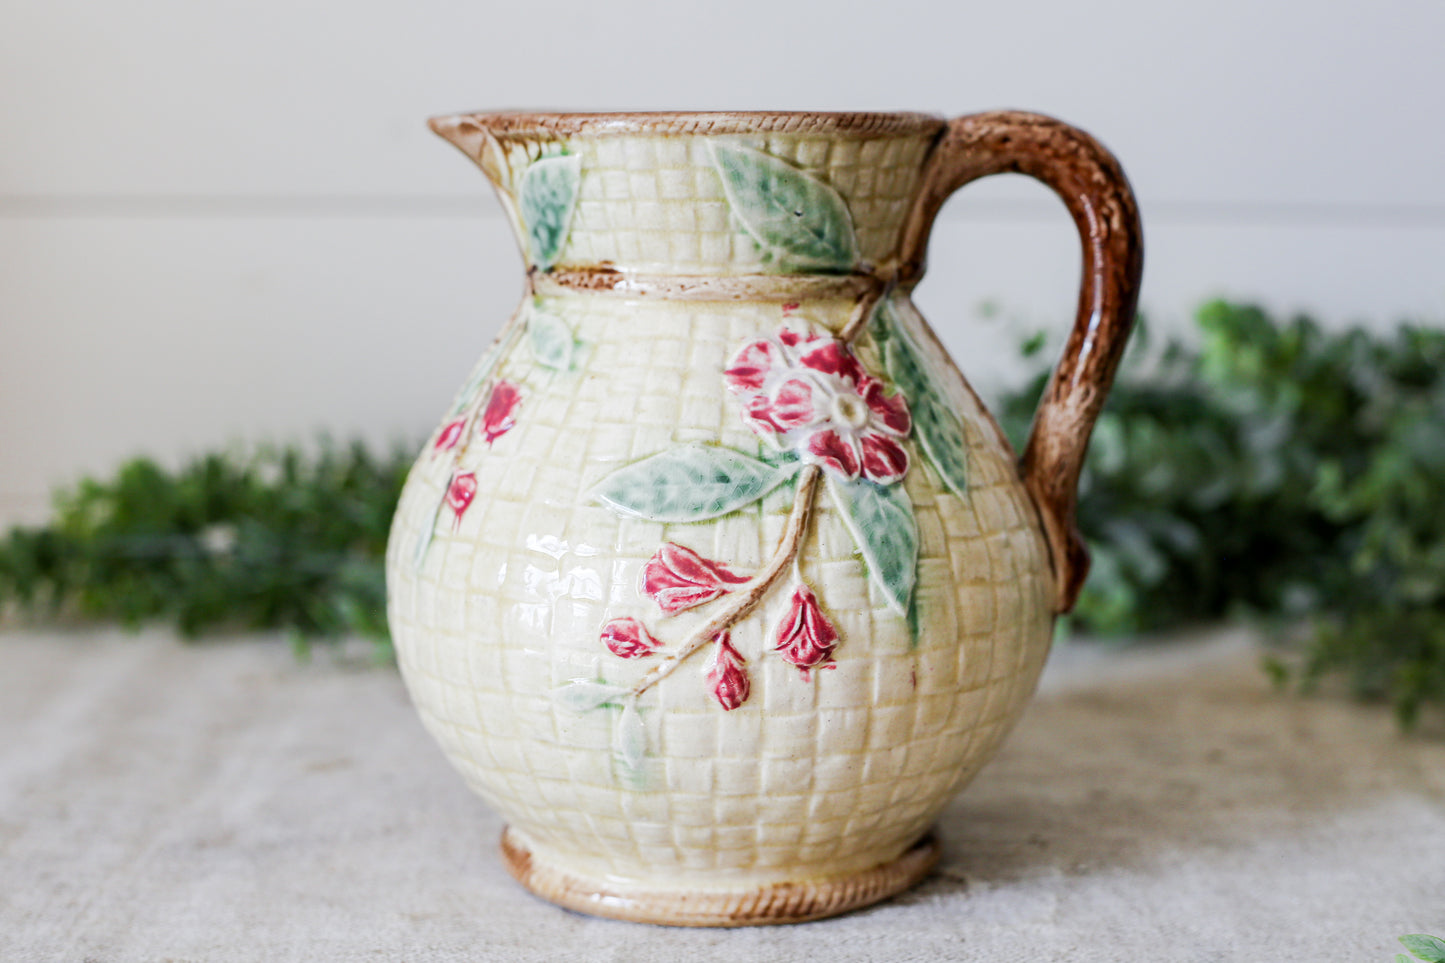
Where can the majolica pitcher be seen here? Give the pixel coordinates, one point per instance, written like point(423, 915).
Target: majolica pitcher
point(717, 580)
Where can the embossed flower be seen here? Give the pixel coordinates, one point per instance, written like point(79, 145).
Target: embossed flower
point(812, 394)
point(805, 636)
point(627, 638)
point(500, 415)
point(679, 578)
point(450, 435)
point(727, 676)
point(460, 492)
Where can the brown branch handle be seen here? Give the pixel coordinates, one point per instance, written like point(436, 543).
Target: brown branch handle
point(1097, 194)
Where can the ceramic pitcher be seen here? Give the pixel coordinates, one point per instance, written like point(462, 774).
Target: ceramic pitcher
point(717, 580)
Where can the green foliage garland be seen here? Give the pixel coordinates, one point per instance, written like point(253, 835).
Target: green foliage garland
point(274, 540)
point(1284, 471)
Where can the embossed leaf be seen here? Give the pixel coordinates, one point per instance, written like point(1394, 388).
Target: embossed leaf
point(1431, 949)
point(546, 200)
point(629, 737)
point(491, 358)
point(881, 521)
point(791, 214)
point(688, 484)
point(581, 695)
point(551, 340)
point(936, 426)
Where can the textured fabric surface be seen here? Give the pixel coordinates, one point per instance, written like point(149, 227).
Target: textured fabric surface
point(224, 802)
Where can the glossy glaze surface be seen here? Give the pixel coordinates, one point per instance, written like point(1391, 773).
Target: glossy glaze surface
point(716, 576)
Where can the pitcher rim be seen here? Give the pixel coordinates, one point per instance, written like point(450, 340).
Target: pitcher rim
point(522, 123)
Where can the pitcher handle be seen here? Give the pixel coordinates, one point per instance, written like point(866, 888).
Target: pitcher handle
point(1093, 187)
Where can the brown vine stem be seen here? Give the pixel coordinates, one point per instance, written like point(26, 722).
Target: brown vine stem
point(863, 310)
point(745, 599)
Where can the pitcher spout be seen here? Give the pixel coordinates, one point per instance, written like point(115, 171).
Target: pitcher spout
point(702, 194)
point(468, 134)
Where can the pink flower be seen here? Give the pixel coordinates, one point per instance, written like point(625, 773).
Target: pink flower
point(628, 639)
point(460, 493)
point(727, 677)
point(805, 636)
point(500, 415)
point(450, 435)
point(812, 393)
point(679, 578)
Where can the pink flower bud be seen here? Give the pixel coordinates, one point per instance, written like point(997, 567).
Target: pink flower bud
point(805, 636)
point(460, 493)
point(727, 677)
point(450, 435)
point(679, 578)
point(499, 417)
point(628, 639)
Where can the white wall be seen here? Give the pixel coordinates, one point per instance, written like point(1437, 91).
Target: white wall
point(223, 221)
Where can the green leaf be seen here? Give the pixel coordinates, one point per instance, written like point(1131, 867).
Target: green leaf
point(792, 215)
point(551, 339)
point(629, 738)
point(1431, 949)
point(880, 518)
point(689, 484)
point(583, 695)
point(546, 200)
point(937, 428)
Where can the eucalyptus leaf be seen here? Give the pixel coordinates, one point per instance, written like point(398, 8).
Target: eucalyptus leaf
point(551, 340)
point(689, 484)
point(583, 695)
point(937, 427)
point(546, 200)
point(629, 737)
point(881, 521)
point(793, 215)
point(1431, 949)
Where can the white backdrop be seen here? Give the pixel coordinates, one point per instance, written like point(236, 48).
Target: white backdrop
point(224, 221)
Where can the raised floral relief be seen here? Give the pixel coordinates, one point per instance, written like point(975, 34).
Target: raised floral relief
point(487, 410)
point(488, 407)
point(727, 677)
point(450, 434)
point(500, 414)
point(813, 395)
point(823, 419)
point(678, 579)
point(799, 222)
point(805, 636)
point(936, 424)
point(546, 198)
point(460, 492)
point(628, 639)
point(821, 416)
point(552, 341)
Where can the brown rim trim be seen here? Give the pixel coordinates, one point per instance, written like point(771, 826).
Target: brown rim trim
point(516, 123)
point(702, 287)
point(758, 906)
point(1093, 187)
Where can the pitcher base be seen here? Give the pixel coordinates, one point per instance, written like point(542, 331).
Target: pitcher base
point(787, 902)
